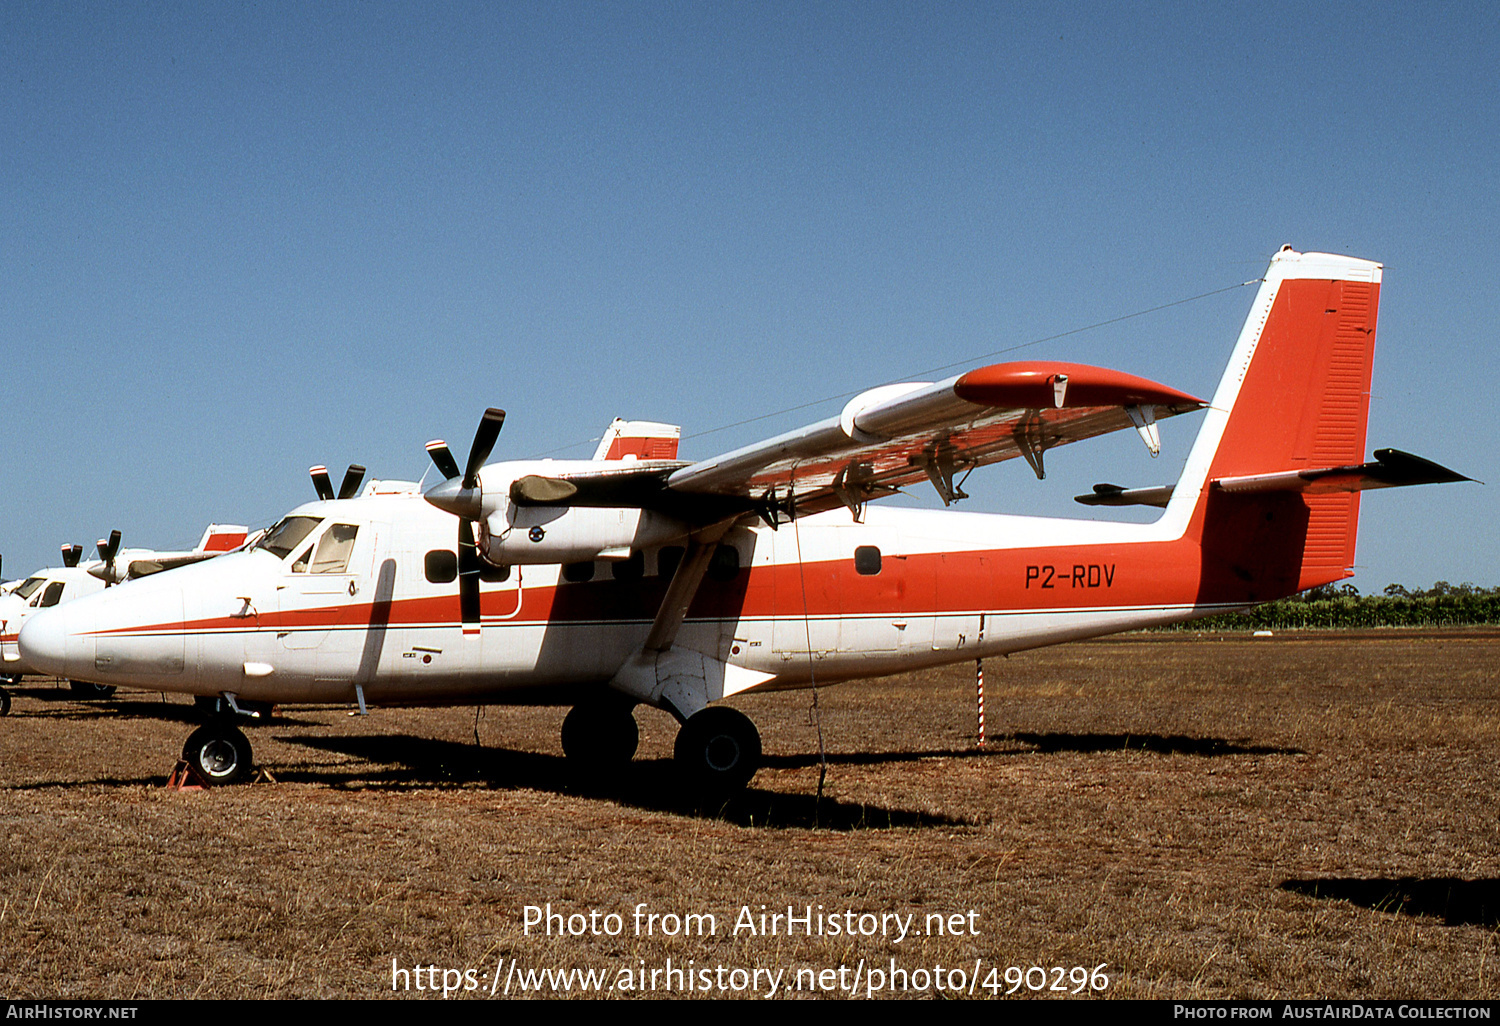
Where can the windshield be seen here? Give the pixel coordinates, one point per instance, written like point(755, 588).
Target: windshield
point(283, 538)
point(30, 585)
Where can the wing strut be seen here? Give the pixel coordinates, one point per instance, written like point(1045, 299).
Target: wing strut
point(681, 592)
point(680, 680)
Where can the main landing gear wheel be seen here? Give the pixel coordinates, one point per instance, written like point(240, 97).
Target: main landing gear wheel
point(83, 689)
point(220, 752)
point(600, 735)
point(4, 702)
point(718, 751)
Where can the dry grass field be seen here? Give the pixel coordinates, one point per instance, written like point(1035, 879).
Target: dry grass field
point(1303, 816)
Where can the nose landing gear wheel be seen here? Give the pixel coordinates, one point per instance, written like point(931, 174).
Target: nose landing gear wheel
point(4, 702)
point(718, 751)
point(220, 752)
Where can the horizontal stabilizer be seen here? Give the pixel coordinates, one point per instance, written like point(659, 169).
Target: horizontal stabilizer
point(1391, 468)
point(1114, 495)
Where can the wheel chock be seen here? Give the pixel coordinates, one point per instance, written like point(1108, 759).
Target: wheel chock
point(186, 777)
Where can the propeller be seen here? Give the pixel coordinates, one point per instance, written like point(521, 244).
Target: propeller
point(107, 552)
point(71, 554)
point(463, 497)
point(324, 487)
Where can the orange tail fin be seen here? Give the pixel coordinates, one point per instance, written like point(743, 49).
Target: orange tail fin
point(1295, 397)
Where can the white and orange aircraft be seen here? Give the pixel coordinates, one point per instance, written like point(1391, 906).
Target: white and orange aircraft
point(640, 578)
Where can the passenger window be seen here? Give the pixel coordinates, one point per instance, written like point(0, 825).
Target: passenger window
point(867, 560)
point(577, 573)
point(441, 566)
point(334, 549)
point(667, 560)
point(725, 563)
point(53, 595)
point(631, 569)
point(492, 574)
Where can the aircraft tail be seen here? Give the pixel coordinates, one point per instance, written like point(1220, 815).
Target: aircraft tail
point(1271, 487)
point(222, 538)
point(638, 439)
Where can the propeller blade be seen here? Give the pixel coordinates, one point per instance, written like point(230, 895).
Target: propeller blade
point(352, 477)
point(462, 498)
point(442, 458)
point(468, 573)
point(70, 554)
point(107, 552)
point(484, 440)
point(321, 484)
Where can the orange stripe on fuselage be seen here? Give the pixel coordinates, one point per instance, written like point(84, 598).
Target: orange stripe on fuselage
point(1133, 574)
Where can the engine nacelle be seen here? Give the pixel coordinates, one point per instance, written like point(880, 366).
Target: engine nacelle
point(572, 534)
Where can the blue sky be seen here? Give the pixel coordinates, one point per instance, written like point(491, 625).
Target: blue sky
point(239, 240)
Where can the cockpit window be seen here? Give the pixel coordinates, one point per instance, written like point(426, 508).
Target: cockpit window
point(53, 595)
point(29, 585)
point(334, 548)
point(283, 538)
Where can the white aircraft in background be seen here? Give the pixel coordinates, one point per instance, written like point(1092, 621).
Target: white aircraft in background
point(636, 577)
point(51, 586)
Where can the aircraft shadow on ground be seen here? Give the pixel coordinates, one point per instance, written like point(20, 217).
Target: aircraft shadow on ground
point(647, 784)
point(1455, 901)
point(1004, 747)
point(70, 707)
point(1161, 744)
point(48, 785)
point(805, 759)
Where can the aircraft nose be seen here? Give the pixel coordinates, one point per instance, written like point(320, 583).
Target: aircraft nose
point(51, 642)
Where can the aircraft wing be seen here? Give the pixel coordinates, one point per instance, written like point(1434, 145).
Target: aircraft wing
point(155, 563)
point(903, 434)
point(884, 439)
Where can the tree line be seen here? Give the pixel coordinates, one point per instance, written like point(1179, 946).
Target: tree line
point(1342, 606)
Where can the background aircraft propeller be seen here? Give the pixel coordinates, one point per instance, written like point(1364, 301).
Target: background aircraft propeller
point(71, 554)
point(324, 487)
point(462, 496)
point(107, 552)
